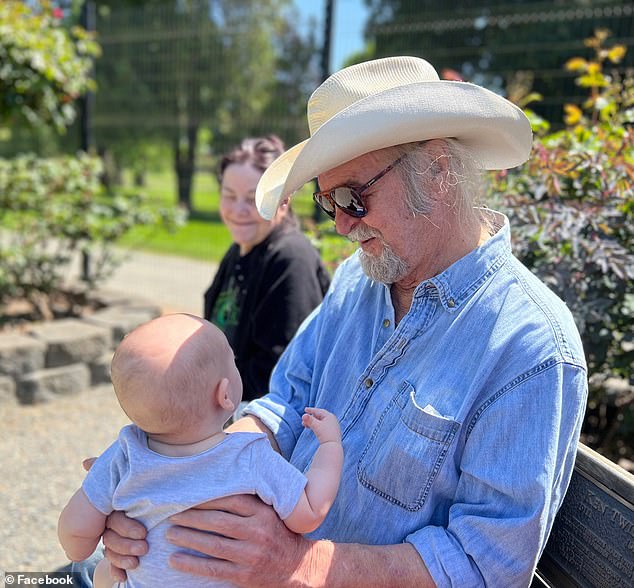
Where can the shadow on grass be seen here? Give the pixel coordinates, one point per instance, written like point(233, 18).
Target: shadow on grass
point(207, 216)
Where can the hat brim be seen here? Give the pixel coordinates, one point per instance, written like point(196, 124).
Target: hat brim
point(496, 132)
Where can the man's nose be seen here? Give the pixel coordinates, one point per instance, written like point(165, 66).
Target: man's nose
point(344, 222)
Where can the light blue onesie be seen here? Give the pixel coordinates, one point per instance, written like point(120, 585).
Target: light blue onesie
point(151, 487)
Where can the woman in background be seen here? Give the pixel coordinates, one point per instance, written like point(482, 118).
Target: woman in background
point(271, 277)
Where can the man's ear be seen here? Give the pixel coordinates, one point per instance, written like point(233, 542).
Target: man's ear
point(222, 397)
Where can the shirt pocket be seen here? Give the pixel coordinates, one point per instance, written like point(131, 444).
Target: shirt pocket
point(406, 451)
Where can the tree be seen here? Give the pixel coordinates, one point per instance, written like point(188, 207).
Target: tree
point(44, 69)
point(297, 73)
point(172, 68)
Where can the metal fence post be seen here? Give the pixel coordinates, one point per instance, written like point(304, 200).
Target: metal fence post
point(88, 22)
point(325, 72)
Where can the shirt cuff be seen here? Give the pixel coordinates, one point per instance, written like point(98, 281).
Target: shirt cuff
point(280, 419)
point(445, 559)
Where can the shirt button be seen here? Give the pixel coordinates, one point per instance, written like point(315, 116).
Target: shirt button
point(241, 277)
point(386, 323)
point(369, 382)
point(451, 303)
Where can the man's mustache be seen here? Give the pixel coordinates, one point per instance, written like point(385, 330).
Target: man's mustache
point(362, 233)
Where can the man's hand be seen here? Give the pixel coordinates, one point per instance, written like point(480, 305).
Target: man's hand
point(323, 423)
point(124, 539)
point(251, 548)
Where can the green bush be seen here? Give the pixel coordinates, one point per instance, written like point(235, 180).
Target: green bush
point(52, 209)
point(572, 209)
point(43, 68)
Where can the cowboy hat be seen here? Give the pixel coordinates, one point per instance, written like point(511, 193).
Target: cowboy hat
point(388, 102)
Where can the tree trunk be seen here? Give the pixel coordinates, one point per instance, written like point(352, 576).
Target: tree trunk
point(111, 174)
point(184, 164)
point(139, 178)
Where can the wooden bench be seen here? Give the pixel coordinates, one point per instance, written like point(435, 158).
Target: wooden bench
point(592, 541)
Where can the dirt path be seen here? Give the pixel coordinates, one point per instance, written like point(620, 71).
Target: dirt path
point(40, 463)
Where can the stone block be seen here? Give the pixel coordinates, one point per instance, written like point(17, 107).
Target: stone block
point(71, 341)
point(7, 389)
point(20, 354)
point(100, 369)
point(44, 385)
point(122, 319)
point(113, 299)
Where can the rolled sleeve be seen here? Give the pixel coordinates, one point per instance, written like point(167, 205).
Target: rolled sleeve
point(445, 558)
point(280, 418)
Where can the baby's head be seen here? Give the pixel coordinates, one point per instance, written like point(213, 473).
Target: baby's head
point(176, 378)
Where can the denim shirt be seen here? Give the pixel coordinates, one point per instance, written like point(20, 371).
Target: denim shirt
point(459, 425)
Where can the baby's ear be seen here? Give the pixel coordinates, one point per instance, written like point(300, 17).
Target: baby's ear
point(222, 396)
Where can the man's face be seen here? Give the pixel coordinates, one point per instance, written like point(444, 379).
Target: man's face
point(392, 239)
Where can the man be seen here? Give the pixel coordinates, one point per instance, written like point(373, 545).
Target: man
point(458, 377)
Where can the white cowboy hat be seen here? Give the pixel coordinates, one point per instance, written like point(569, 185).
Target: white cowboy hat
point(389, 102)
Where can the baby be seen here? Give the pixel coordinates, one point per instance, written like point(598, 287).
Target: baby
point(175, 377)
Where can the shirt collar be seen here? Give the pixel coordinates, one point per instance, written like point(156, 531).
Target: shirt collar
point(462, 279)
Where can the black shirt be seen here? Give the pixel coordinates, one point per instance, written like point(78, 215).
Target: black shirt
point(259, 300)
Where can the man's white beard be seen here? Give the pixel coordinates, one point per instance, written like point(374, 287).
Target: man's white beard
point(386, 267)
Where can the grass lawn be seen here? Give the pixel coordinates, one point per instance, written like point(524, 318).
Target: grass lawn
point(198, 239)
point(203, 236)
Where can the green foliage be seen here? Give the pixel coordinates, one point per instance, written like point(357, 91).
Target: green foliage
point(43, 68)
point(572, 209)
point(50, 210)
point(333, 248)
point(297, 73)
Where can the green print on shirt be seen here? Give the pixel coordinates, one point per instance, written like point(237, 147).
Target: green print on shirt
point(226, 309)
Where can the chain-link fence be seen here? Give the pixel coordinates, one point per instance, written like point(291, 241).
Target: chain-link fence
point(509, 47)
point(184, 80)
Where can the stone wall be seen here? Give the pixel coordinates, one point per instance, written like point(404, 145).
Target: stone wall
point(67, 356)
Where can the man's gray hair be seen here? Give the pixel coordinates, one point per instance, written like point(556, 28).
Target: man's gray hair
point(457, 182)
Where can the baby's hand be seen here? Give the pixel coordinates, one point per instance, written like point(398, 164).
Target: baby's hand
point(323, 423)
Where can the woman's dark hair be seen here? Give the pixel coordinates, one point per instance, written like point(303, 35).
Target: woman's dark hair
point(260, 152)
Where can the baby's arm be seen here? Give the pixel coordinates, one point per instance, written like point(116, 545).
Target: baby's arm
point(80, 527)
point(323, 475)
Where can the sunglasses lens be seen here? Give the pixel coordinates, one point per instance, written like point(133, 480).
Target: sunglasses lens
point(343, 198)
point(349, 202)
point(326, 204)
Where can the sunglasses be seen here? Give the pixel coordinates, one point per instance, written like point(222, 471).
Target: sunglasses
point(349, 199)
